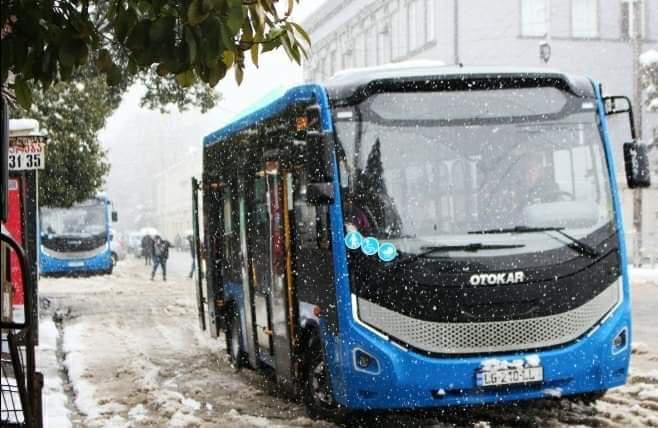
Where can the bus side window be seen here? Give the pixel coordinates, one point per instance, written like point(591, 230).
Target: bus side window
point(311, 221)
point(231, 238)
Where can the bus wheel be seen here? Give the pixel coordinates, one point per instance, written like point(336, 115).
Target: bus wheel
point(317, 396)
point(233, 334)
point(115, 259)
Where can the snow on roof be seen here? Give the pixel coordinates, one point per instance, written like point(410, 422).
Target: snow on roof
point(418, 63)
point(23, 127)
point(650, 57)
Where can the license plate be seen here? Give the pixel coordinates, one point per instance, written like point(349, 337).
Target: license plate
point(510, 376)
point(76, 264)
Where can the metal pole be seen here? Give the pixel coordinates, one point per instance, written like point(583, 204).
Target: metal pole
point(635, 15)
point(455, 36)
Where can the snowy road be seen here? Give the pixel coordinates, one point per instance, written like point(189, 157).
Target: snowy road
point(133, 356)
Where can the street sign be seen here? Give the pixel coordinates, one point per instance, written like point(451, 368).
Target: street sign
point(26, 153)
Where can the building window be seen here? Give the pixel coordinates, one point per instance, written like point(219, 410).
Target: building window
point(400, 36)
point(430, 30)
point(585, 18)
point(534, 18)
point(371, 47)
point(412, 25)
point(632, 11)
point(384, 44)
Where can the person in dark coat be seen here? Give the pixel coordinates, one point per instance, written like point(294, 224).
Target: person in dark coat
point(160, 256)
point(190, 241)
point(147, 249)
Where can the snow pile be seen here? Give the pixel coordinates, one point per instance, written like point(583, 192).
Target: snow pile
point(56, 415)
point(649, 58)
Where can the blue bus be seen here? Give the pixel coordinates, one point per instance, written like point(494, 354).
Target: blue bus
point(76, 240)
point(419, 237)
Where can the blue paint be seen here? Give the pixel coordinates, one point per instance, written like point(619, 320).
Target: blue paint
point(353, 240)
point(387, 252)
point(370, 246)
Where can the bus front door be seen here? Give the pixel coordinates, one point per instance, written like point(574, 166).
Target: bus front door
point(268, 270)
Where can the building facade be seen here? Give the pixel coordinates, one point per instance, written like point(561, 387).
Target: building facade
point(589, 37)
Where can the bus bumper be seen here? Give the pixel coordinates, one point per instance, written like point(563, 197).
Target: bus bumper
point(101, 263)
point(404, 379)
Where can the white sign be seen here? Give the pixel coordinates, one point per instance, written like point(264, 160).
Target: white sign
point(26, 154)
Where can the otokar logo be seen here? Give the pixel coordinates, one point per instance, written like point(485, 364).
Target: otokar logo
point(497, 278)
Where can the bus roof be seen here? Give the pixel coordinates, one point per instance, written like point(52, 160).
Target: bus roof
point(268, 107)
point(346, 83)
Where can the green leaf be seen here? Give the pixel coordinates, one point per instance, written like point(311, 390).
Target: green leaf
point(139, 36)
point(301, 32)
point(228, 58)
point(125, 21)
point(104, 61)
point(195, 13)
point(162, 30)
point(239, 74)
point(185, 79)
point(114, 75)
point(216, 74)
point(254, 54)
point(23, 93)
point(68, 53)
point(190, 43)
point(235, 16)
point(212, 47)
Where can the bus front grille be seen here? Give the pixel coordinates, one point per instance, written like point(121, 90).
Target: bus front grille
point(487, 337)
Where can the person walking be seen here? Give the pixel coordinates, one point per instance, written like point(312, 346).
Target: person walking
point(147, 249)
point(190, 241)
point(160, 256)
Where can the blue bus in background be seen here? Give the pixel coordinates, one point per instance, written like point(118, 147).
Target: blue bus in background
point(418, 237)
point(76, 240)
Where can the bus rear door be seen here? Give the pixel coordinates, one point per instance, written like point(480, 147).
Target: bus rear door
point(269, 269)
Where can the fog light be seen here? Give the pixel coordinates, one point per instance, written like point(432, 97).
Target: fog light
point(362, 360)
point(620, 340)
point(365, 362)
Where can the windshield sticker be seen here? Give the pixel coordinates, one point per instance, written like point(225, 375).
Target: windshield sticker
point(353, 240)
point(370, 246)
point(387, 252)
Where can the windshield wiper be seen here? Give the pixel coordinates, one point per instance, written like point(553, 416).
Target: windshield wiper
point(575, 244)
point(472, 247)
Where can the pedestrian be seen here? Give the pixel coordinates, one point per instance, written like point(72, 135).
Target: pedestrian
point(190, 242)
point(160, 256)
point(147, 249)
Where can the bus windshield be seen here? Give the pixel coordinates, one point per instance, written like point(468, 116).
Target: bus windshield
point(81, 220)
point(434, 168)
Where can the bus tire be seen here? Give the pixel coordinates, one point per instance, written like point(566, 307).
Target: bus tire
point(233, 333)
point(317, 394)
point(115, 258)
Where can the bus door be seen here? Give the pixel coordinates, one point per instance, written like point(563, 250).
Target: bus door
point(269, 260)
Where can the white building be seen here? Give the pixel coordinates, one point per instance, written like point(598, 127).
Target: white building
point(590, 37)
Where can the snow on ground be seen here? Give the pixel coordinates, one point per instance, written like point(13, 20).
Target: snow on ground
point(135, 357)
point(56, 412)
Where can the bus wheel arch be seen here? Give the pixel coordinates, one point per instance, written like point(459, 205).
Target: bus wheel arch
point(315, 381)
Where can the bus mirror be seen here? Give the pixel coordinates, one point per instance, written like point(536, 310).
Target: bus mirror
point(320, 193)
point(619, 105)
point(318, 157)
point(636, 160)
point(115, 216)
